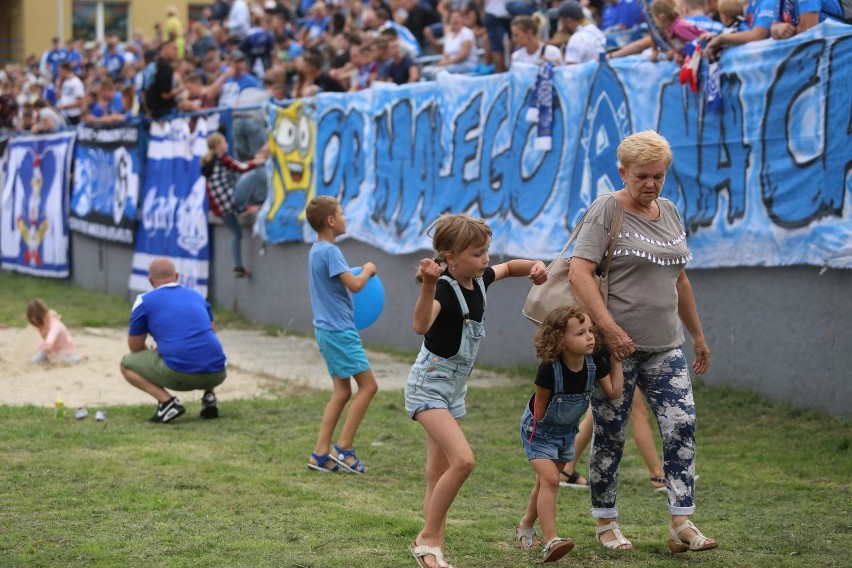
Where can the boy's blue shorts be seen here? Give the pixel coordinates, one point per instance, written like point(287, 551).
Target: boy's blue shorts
point(343, 353)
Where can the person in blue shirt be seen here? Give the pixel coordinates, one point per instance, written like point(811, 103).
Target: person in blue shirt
point(331, 284)
point(621, 14)
point(258, 45)
point(693, 12)
point(108, 107)
point(316, 25)
point(113, 58)
point(759, 15)
point(53, 57)
point(249, 126)
point(75, 57)
point(188, 355)
point(797, 16)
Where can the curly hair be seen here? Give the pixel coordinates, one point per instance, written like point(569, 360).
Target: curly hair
point(548, 338)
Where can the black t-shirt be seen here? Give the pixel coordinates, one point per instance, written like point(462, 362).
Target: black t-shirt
point(573, 382)
point(418, 18)
point(328, 85)
point(162, 83)
point(444, 337)
point(398, 72)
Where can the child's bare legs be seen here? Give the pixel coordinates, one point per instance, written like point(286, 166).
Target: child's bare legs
point(581, 442)
point(645, 440)
point(449, 461)
point(542, 503)
point(333, 409)
point(367, 388)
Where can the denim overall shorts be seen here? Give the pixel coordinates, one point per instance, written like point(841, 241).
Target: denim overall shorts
point(552, 437)
point(436, 382)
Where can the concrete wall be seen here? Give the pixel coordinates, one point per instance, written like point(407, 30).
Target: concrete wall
point(783, 332)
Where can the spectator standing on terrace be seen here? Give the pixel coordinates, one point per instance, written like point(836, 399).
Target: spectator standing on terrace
point(71, 94)
point(531, 49)
point(759, 15)
point(416, 17)
point(459, 54)
point(239, 19)
point(160, 97)
point(498, 27)
point(258, 46)
point(173, 29)
point(51, 59)
point(313, 33)
point(587, 42)
point(113, 59)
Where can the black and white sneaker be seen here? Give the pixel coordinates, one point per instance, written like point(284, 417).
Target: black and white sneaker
point(209, 408)
point(168, 411)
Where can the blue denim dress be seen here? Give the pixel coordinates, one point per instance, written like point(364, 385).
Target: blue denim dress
point(436, 382)
point(552, 437)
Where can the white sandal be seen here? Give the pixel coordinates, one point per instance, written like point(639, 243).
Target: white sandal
point(699, 541)
point(421, 550)
point(526, 538)
point(616, 543)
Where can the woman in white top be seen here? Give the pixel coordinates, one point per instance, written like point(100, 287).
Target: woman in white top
point(459, 49)
point(531, 49)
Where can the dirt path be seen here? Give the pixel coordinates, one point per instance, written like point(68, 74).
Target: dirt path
point(259, 365)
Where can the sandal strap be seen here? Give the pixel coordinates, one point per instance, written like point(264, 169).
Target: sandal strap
point(620, 540)
point(421, 550)
point(698, 541)
point(551, 542)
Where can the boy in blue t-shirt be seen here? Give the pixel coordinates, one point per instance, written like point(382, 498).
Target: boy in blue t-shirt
point(331, 285)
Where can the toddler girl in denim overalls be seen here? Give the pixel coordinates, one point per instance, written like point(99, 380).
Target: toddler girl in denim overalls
point(564, 382)
point(450, 313)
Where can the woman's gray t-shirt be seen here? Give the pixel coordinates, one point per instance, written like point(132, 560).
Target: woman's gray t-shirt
point(648, 259)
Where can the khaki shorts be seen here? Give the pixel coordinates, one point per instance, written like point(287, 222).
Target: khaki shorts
point(150, 365)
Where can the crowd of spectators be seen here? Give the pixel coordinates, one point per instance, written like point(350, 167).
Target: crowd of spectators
point(244, 52)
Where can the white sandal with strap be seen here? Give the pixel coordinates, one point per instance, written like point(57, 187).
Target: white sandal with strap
point(619, 539)
point(699, 541)
point(556, 548)
point(526, 538)
point(419, 551)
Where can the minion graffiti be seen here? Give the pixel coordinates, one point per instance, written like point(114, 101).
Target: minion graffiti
point(291, 146)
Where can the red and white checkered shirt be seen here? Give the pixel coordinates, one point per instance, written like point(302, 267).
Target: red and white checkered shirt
point(221, 182)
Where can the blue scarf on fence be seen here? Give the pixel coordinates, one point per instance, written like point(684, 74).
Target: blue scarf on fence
point(540, 110)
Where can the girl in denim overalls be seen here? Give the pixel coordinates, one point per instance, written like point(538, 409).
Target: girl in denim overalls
point(564, 383)
point(450, 314)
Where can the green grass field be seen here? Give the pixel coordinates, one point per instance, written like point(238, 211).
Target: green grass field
point(774, 485)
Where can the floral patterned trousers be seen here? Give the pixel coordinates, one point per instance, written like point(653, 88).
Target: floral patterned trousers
point(664, 379)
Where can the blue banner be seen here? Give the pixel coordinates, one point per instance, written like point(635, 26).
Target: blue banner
point(105, 193)
point(173, 206)
point(34, 205)
point(763, 181)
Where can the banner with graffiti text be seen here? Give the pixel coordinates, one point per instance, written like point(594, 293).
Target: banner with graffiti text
point(105, 193)
point(34, 205)
point(762, 181)
point(173, 205)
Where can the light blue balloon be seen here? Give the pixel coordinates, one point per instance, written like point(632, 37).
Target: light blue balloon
point(369, 302)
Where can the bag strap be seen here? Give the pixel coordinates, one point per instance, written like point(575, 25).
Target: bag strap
point(614, 228)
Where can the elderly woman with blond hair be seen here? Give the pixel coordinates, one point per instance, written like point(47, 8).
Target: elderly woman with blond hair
point(650, 300)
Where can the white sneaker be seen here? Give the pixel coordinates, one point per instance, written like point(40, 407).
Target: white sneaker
point(81, 413)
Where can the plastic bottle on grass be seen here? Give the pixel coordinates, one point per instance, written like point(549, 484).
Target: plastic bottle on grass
point(59, 409)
